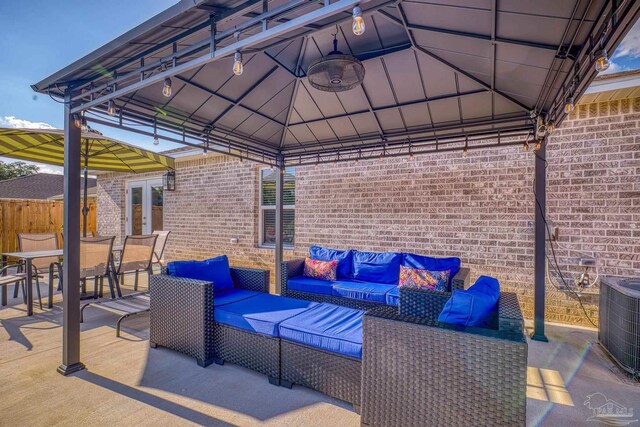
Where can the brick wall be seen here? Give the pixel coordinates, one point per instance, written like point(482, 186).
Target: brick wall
point(479, 207)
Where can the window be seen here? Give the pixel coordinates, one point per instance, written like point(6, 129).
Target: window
point(268, 206)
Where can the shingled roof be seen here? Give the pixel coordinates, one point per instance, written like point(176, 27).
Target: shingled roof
point(36, 186)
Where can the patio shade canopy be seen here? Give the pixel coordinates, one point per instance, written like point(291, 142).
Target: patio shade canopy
point(439, 76)
point(97, 152)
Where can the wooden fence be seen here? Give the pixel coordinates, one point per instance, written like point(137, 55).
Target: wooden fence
point(34, 216)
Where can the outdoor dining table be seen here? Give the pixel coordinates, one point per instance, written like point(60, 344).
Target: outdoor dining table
point(28, 258)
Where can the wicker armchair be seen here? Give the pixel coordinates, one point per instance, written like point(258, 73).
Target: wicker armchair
point(431, 373)
point(295, 268)
point(181, 319)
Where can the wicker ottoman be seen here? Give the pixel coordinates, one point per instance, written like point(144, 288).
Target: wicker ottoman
point(321, 349)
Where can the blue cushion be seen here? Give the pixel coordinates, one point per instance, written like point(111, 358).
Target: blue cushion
point(309, 284)
point(344, 259)
point(228, 296)
point(432, 264)
point(393, 296)
point(378, 267)
point(214, 270)
point(473, 306)
point(327, 327)
point(366, 291)
point(261, 313)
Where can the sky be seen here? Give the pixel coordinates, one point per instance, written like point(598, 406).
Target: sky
point(39, 37)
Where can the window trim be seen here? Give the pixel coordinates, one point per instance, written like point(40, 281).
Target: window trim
point(261, 209)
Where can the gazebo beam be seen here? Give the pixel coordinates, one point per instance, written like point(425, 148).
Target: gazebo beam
point(71, 252)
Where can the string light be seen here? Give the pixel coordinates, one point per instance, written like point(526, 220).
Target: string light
point(602, 60)
point(465, 152)
point(569, 106)
point(156, 141)
point(76, 121)
point(538, 145)
point(358, 21)
point(237, 64)
point(83, 124)
point(111, 108)
point(166, 89)
point(525, 146)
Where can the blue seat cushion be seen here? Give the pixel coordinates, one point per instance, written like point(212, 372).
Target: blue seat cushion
point(366, 291)
point(327, 327)
point(344, 259)
point(422, 262)
point(377, 267)
point(309, 284)
point(228, 296)
point(474, 306)
point(393, 296)
point(260, 314)
point(214, 270)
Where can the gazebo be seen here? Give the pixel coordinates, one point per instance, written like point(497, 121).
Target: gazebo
point(299, 82)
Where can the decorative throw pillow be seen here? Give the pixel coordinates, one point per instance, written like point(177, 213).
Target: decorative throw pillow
point(417, 278)
point(323, 270)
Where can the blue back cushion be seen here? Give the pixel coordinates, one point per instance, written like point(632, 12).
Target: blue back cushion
point(214, 270)
point(344, 259)
point(378, 267)
point(474, 306)
point(432, 264)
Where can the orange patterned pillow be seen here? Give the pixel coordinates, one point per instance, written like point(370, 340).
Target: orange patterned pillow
point(417, 278)
point(323, 270)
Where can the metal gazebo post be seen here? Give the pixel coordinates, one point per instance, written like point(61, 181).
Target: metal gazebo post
point(279, 214)
point(85, 210)
point(540, 233)
point(71, 252)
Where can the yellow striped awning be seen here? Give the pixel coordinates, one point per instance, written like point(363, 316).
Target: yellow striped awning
point(102, 153)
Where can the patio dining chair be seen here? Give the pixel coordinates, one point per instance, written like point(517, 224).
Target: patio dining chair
point(17, 278)
point(136, 256)
point(28, 242)
point(158, 249)
point(95, 262)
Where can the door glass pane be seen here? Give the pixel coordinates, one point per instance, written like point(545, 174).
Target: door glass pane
point(156, 208)
point(136, 210)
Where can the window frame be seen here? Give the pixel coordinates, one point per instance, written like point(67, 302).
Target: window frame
point(262, 208)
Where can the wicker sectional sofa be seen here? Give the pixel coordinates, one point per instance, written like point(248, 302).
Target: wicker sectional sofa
point(406, 368)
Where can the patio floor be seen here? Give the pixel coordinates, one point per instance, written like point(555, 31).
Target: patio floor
point(127, 383)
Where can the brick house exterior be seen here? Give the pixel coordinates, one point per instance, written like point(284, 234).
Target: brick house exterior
point(479, 207)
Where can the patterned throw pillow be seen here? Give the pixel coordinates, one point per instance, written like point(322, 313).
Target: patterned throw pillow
point(323, 270)
point(416, 278)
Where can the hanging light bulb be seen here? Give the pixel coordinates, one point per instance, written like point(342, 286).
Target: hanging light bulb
point(83, 124)
point(237, 64)
point(537, 145)
point(111, 108)
point(602, 60)
point(166, 89)
point(569, 105)
point(551, 126)
point(76, 121)
point(358, 21)
point(525, 146)
point(465, 152)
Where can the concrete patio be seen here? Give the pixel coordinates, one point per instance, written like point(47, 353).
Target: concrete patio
point(127, 383)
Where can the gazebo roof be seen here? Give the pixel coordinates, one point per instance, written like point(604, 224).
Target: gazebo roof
point(439, 76)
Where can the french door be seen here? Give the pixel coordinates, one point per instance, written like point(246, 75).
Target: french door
point(145, 203)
